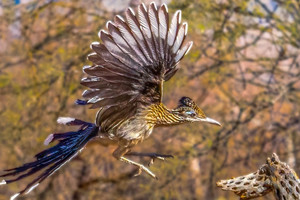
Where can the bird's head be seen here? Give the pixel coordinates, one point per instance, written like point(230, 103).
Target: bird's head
point(188, 111)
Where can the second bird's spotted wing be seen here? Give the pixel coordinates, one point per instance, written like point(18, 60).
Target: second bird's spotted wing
point(135, 57)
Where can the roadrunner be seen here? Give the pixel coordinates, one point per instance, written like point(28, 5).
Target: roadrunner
point(125, 83)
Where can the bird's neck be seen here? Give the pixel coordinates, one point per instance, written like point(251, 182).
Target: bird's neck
point(159, 114)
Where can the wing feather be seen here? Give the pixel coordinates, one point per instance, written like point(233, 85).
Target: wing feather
point(184, 50)
point(105, 55)
point(132, 61)
point(180, 38)
point(154, 25)
point(101, 71)
point(96, 59)
point(136, 30)
point(111, 101)
point(120, 41)
point(174, 27)
point(90, 93)
point(163, 29)
point(116, 51)
point(146, 30)
point(127, 35)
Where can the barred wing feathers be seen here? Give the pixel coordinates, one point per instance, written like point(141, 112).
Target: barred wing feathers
point(135, 57)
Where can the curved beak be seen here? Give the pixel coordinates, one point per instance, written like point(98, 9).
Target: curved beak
point(211, 121)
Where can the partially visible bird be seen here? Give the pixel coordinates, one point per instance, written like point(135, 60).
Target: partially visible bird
point(125, 83)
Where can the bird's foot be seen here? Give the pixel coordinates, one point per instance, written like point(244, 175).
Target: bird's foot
point(140, 167)
point(153, 156)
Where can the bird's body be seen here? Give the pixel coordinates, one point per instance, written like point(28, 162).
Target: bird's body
point(139, 127)
point(125, 81)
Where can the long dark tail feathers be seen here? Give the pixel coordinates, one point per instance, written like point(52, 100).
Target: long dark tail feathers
point(51, 159)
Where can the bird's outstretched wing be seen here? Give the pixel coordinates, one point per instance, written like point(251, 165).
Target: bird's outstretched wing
point(130, 64)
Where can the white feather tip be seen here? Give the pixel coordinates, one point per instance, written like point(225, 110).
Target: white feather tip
point(142, 5)
point(191, 44)
point(153, 4)
point(165, 6)
point(65, 120)
point(48, 140)
point(107, 23)
point(14, 196)
point(131, 10)
point(185, 27)
point(120, 18)
point(32, 188)
point(178, 12)
point(95, 43)
point(85, 67)
point(102, 32)
point(3, 182)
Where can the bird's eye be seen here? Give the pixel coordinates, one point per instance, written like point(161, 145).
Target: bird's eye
point(191, 113)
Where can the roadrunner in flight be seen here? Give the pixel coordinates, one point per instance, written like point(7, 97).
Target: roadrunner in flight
point(125, 83)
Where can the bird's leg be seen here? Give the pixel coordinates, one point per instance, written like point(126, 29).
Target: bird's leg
point(153, 156)
point(140, 166)
point(119, 154)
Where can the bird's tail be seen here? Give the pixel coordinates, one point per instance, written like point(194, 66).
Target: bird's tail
point(51, 159)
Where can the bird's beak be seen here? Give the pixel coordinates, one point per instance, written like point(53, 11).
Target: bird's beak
point(210, 120)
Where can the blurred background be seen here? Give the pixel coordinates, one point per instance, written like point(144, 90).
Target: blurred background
point(243, 70)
